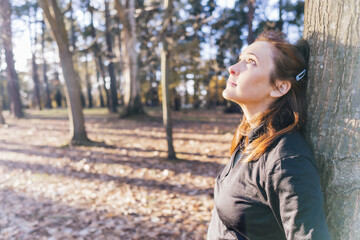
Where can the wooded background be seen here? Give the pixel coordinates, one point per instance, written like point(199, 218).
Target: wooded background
point(111, 41)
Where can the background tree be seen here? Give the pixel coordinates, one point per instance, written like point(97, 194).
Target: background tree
point(3, 85)
point(111, 57)
point(2, 120)
point(12, 77)
point(87, 80)
point(45, 68)
point(332, 28)
point(96, 49)
point(165, 59)
point(132, 99)
point(33, 8)
point(148, 58)
point(55, 22)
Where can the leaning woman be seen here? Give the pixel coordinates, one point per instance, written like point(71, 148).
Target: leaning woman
point(270, 189)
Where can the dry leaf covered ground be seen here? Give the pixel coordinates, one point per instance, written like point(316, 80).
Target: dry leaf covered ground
point(123, 190)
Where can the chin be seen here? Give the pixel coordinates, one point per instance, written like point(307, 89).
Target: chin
point(228, 95)
point(225, 95)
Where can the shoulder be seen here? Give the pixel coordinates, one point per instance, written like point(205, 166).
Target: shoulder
point(287, 148)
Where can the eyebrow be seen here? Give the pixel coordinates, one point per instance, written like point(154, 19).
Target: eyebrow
point(250, 53)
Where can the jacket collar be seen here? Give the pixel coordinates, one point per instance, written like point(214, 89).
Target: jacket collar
point(256, 132)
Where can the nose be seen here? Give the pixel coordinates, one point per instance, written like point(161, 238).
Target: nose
point(234, 70)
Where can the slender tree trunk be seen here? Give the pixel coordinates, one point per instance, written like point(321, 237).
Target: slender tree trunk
point(36, 82)
point(165, 58)
point(55, 22)
point(2, 92)
point(196, 93)
point(113, 88)
point(46, 81)
point(333, 126)
point(88, 84)
point(280, 22)
point(217, 102)
point(97, 55)
point(35, 74)
point(2, 120)
point(101, 69)
point(119, 63)
point(12, 77)
point(132, 99)
point(167, 120)
point(99, 89)
point(151, 91)
point(73, 40)
point(249, 19)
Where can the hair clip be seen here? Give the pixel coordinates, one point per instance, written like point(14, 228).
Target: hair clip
point(300, 75)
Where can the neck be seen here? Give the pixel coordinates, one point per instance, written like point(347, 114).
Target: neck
point(251, 112)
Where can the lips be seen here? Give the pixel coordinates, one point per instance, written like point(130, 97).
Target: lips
point(232, 83)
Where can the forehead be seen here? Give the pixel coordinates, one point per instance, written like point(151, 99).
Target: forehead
point(262, 50)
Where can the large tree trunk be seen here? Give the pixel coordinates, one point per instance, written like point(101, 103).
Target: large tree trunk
point(55, 22)
point(333, 127)
point(113, 88)
point(12, 77)
point(132, 99)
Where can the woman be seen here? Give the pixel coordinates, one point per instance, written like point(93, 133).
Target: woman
point(270, 189)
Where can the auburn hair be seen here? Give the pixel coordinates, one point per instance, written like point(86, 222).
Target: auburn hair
point(287, 113)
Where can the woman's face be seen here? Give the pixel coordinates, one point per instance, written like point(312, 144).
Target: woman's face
point(249, 80)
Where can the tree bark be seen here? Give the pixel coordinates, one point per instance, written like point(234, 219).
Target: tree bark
point(35, 74)
point(333, 126)
point(73, 40)
point(99, 89)
point(12, 77)
point(249, 20)
point(113, 88)
point(36, 82)
point(55, 22)
point(165, 58)
point(46, 81)
point(2, 119)
point(167, 120)
point(97, 55)
point(280, 23)
point(88, 83)
point(132, 99)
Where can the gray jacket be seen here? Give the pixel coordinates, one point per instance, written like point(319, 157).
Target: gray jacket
point(276, 197)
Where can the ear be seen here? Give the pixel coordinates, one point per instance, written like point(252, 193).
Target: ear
point(281, 88)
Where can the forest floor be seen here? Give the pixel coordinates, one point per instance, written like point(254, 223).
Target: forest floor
point(125, 189)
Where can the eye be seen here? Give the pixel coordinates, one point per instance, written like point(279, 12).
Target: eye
point(251, 61)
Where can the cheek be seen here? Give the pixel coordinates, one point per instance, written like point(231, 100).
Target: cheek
point(254, 87)
point(252, 82)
